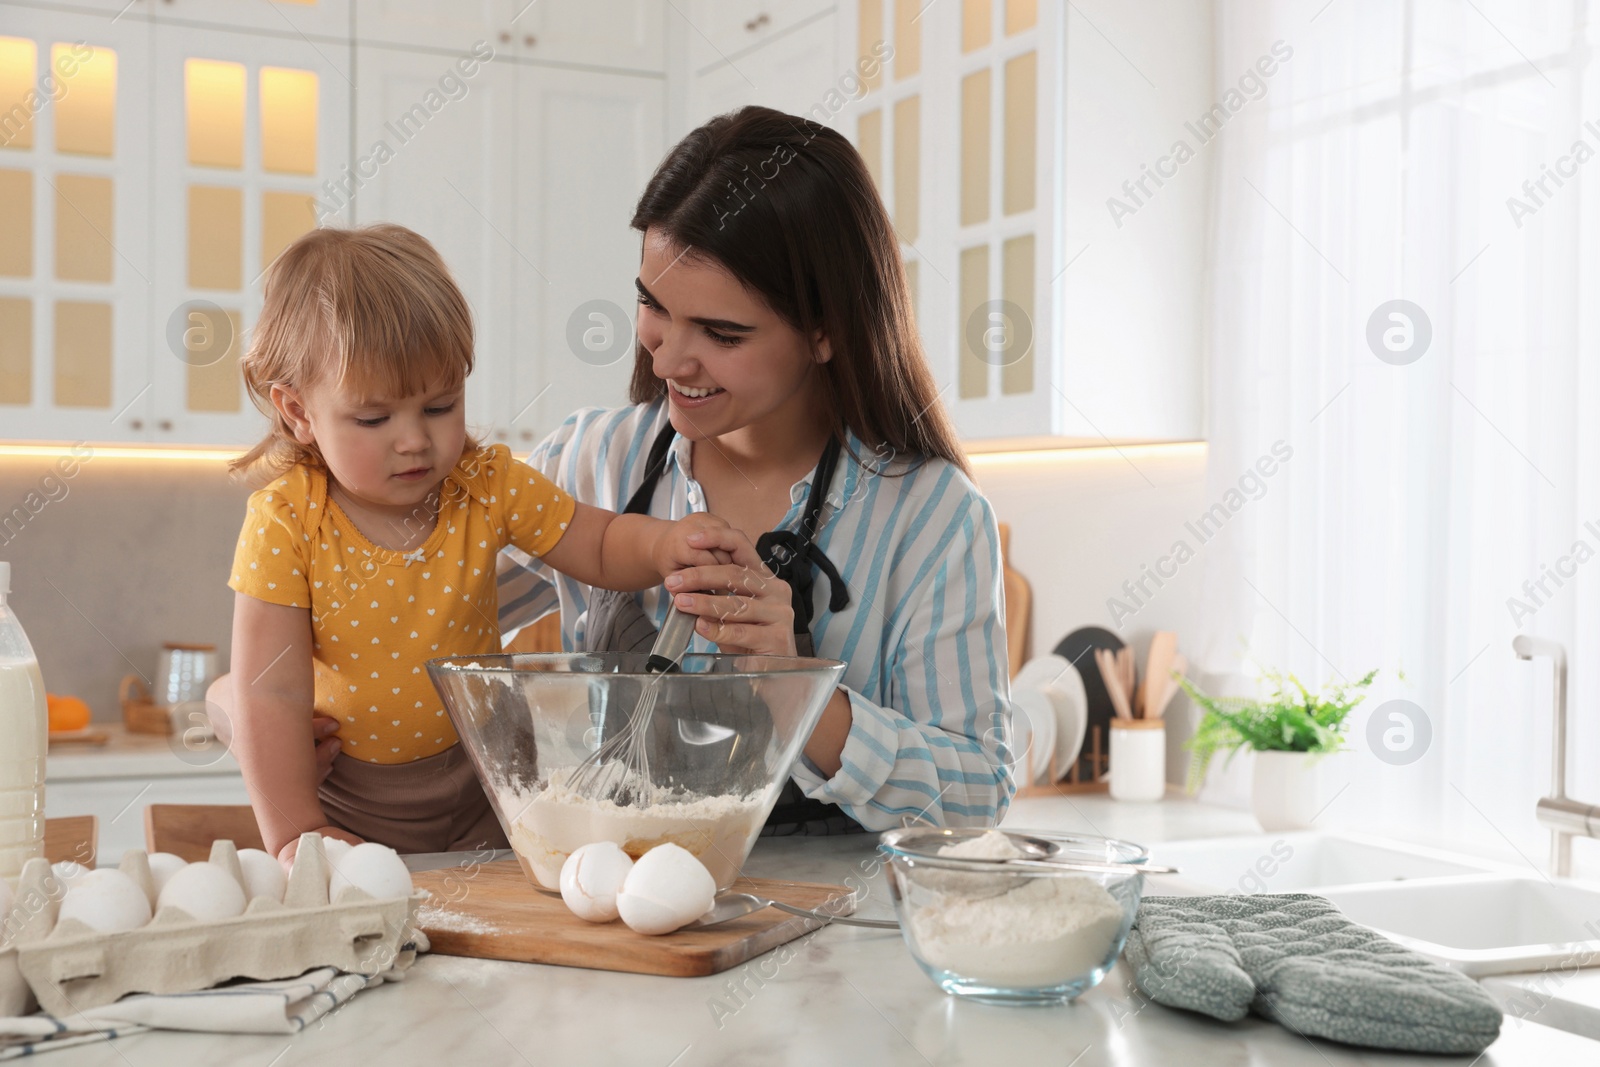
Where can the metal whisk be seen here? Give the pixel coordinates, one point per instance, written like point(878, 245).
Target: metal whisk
point(625, 757)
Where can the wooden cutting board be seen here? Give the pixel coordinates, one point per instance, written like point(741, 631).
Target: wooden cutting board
point(491, 912)
point(1019, 605)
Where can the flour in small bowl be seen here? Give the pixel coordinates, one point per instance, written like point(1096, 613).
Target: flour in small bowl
point(1046, 931)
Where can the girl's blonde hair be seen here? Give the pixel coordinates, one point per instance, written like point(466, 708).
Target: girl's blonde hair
point(373, 307)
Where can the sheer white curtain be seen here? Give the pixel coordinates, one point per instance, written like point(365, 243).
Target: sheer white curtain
point(1379, 165)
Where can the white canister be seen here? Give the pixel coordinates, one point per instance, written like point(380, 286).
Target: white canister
point(1138, 759)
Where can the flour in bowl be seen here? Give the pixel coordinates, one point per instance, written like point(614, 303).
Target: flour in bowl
point(1047, 930)
point(547, 825)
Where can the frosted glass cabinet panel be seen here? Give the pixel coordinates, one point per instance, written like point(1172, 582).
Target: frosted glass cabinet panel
point(75, 261)
point(251, 140)
point(1041, 319)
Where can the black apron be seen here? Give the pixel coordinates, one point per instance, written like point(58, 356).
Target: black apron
point(616, 622)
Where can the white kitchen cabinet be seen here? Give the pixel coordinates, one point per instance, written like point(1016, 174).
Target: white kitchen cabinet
point(961, 133)
point(135, 248)
point(447, 171)
point(628, 34)
point(1132, 348)
point(526, 184)
point(625, 34)
point(793, 71)
point(996, 134)
point(429, 24)
point(251, 139)
point(301, 19)
point(75, 256)
point(586, 144)
point(122, 10)
point(720, 30)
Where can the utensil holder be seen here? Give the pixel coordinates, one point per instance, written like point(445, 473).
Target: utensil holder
point(1138, 759)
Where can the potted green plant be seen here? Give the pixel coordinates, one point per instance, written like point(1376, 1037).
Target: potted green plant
point(1289, 729)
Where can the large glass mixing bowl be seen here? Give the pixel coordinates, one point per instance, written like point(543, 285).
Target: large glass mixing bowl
point(723, 735)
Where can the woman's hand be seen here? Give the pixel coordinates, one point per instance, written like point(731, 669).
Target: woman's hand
point(756, 617)
point(286, 853)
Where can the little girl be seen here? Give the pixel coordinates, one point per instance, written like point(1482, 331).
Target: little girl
point(373, 547)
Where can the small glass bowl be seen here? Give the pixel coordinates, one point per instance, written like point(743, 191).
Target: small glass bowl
point(1008, 933)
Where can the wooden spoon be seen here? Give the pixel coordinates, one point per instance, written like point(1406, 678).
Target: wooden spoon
point(1111, 674)
point(1158, 672)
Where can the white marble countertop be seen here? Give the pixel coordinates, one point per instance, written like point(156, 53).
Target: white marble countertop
point(839, 995)
point(129, 755)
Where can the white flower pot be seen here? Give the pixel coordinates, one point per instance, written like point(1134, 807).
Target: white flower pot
point(1288, 789)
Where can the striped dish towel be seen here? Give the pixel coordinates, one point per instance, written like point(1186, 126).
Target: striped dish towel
point(286, 1006)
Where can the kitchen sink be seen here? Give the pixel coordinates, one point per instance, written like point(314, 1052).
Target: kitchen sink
point(1484, 924)
point(1304, 861)
point(1477, 916)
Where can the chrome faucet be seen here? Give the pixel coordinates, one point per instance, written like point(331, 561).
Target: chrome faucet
point(1567, 818)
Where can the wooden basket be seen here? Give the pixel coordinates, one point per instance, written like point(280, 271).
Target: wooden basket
point(139, 714)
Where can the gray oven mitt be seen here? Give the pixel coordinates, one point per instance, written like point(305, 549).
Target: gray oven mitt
point(1293, 958)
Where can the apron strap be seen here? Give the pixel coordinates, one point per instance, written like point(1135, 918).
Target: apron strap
point(792, 554)
point(639, 502)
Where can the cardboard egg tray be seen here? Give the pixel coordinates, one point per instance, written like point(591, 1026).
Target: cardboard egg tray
point(70, 967)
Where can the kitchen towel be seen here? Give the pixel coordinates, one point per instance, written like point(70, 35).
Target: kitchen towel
point(1295, 959)
point(286, 1006)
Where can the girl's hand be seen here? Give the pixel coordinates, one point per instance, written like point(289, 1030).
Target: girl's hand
point(676, 547)
point(322, 730)
point(286, 853)
point(756, 617)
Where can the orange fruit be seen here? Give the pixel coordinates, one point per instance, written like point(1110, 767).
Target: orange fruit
point(66, 713)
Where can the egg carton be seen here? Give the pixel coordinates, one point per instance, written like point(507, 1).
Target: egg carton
point(70, 967)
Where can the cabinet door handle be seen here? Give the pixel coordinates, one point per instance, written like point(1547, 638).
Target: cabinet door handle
point(759, 21)
point(137, 424)
point(526, 435)
point(500, 435)
point(164, 424)
point(505, 36)
point(529, 40)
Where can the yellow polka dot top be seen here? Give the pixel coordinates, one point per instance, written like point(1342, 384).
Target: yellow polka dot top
point(377, 615)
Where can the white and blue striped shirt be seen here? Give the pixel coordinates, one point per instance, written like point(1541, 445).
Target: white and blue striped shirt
point(923, 637)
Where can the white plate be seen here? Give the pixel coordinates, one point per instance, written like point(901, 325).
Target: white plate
point(1056, 677)
point(1034, 734)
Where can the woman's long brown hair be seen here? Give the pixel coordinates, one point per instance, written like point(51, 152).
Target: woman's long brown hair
point(786, 206)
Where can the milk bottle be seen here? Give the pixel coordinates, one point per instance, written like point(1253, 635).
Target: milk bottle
point(22, 743)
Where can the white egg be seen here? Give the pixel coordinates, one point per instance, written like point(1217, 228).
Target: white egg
point(204, 891)
point(374, 869)
point(263, 875)
point(67, 872)
point(335, 849)
point(164, 865)
point(666, 889)
point(591, 879)
point(106, 900)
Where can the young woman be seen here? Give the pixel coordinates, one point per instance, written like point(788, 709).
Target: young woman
point(779, 384)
